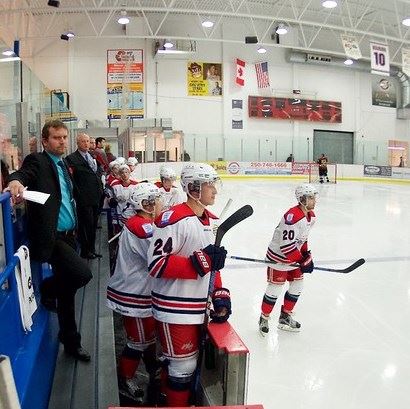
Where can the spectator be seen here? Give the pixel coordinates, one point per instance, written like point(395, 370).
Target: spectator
point(290, 158)
point(108, 153)
point(100, 155)
point(401, 164)
point(51, 231)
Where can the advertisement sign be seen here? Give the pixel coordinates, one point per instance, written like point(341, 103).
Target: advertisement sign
point(383, 92)
point(237, 112)
point(295, 109)
point(300, 168)
point(259, 168)
point(125, 83)
point(377, 171)
point(204, 79)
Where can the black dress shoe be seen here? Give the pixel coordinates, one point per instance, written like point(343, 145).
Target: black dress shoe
point(89, 255)
point(97, 255)
point(79, 353)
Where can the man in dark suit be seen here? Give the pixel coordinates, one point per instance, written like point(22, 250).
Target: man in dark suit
point(87, 193)
point(51, 231)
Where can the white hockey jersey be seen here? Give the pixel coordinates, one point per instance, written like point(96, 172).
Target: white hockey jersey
point(122, 194)
point(170, 197)
point(179, 295)
point(289, 239)
point(129, 288)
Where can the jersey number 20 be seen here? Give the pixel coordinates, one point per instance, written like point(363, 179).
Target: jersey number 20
point(288, 234)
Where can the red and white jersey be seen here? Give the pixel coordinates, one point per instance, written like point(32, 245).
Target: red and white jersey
point(170, 197)
point(179, 295)
point(290, 238)
point(129, 288)
point(122, 194)
point(110, 179)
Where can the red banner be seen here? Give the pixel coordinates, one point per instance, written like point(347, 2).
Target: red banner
point(295, 109)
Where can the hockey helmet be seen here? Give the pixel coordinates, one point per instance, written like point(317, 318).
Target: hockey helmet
point(113, 164)
point(132, 161)
point(167, 173)
point(144, 192)
point(121, 160)
point(305, 190)
point(195, 174)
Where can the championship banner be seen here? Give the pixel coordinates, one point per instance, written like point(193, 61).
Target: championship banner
point(380, 59)
point(204, 79)
point(405, 58)
point(295, 109)
point(125, 83)
point(351, 46)
point(384, 92)
point(237, 114)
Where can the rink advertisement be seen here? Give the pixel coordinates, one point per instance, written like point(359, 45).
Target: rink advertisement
point(125, 83)
point(204, 79)
point(259, 168)
point(377, 171)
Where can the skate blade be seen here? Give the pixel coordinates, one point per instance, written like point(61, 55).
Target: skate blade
point(263, 333)
point(285, 327)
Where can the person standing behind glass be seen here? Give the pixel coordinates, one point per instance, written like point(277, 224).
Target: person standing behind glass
point(51, 231)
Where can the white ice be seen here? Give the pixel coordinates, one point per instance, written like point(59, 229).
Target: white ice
point(353, 349)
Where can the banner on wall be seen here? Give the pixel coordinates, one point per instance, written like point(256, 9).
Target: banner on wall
point(295, 109)
point(204, 79)
point(351, 46)
point(384, 92)
point(380, 59)
point(405, 58)
point(237, 114)
point(125, 83)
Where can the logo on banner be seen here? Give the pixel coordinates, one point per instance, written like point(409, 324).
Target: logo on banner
point(380, 59)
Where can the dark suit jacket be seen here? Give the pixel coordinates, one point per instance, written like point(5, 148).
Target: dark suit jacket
point(88, 186)
point(38, 172)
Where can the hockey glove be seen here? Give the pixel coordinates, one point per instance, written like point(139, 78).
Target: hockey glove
point(306, 265)
point(210, 258)
point(221, 301)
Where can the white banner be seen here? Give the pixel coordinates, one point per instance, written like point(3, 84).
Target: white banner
point(380, 59)
point(351, 46)
point(405, 58)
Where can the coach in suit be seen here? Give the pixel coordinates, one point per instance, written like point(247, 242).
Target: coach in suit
point(87, 193)
point(51, 231)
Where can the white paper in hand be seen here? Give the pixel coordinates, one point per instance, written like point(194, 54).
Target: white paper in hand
point(33, 196)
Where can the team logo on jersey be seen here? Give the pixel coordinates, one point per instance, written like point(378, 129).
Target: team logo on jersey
point(165, 217)
point(289, 217)
point(147, 227)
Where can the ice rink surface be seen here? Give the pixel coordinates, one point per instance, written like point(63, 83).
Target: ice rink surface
point(353, 351)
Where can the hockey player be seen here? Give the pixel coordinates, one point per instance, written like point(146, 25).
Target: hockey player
point(132, 164)
point(129, 290)
point(180, 256)
point(289, 245)
point(169, 193)
point(323, 161)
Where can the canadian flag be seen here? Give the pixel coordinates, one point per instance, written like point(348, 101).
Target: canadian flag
point(240, 71)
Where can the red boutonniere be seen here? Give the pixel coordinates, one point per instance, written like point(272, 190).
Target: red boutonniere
point(71, 170)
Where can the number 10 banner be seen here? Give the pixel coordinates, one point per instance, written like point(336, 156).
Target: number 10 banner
point(380, 60)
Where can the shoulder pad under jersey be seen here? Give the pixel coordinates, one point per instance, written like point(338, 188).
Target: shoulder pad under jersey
point(139, 226)
point(293, 215)
point(173, 215)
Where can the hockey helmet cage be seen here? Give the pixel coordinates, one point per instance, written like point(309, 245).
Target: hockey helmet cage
point(167, 173)
point(196, 174)
point(304, 190)
point(143, 191)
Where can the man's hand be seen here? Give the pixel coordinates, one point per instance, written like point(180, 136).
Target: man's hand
point(16, 190)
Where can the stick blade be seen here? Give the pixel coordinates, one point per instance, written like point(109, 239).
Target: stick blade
point(241, 214)
point(355, 265)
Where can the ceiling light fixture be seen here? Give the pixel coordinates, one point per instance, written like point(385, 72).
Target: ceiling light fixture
point(329, 4)
point(70, 34)
point(123, 19)
point(207, 24)
point(261, 50)
point(348, 62)
point(8, 53)
point(281, 29)
point(168, 44)
point(406, 22)
point(53, 3)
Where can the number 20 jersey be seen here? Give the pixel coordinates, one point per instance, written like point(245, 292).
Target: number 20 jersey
point(289, 239)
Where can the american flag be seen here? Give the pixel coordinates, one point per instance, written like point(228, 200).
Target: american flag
point(262, 74)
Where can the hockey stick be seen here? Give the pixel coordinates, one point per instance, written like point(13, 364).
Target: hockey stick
point(241, 214)
point(346, 270)
point(225, 209)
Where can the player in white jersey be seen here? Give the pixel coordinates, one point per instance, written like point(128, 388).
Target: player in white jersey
point(180, 256)
point(170, 194)
point(288, 246)
point(129, 289)
point(132, 163)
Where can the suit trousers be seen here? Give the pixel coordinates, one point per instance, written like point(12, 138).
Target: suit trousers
point(70, 273)
point(87, 227)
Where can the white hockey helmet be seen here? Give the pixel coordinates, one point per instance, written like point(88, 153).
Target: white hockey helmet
point(195, 174)
point(132, 161)
point(304, 190)
point(143, 191)
point(121, 160)
point(113, 164)
point(167, 173)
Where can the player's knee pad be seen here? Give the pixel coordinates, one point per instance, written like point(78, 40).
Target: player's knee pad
point(295, 287)
point(131, 353)
point(273, 290)
point(182, 368)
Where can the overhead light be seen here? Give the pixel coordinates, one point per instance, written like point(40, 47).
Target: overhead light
point(207, 24)
point(123, 19)
point(8, 53)
point(329, 4)
point(8, 59)
point(261, 50)
point(406, 22)
point(168, 44)
point(348, 62)
point(281, 29)
point(53, 3)
point(70, 34)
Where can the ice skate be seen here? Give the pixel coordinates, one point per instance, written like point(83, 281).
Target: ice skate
point(287, 323)
point(263, 324)
point(130, 389)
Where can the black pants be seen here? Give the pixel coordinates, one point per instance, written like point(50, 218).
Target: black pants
point(70, 272)
point(87, 227)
